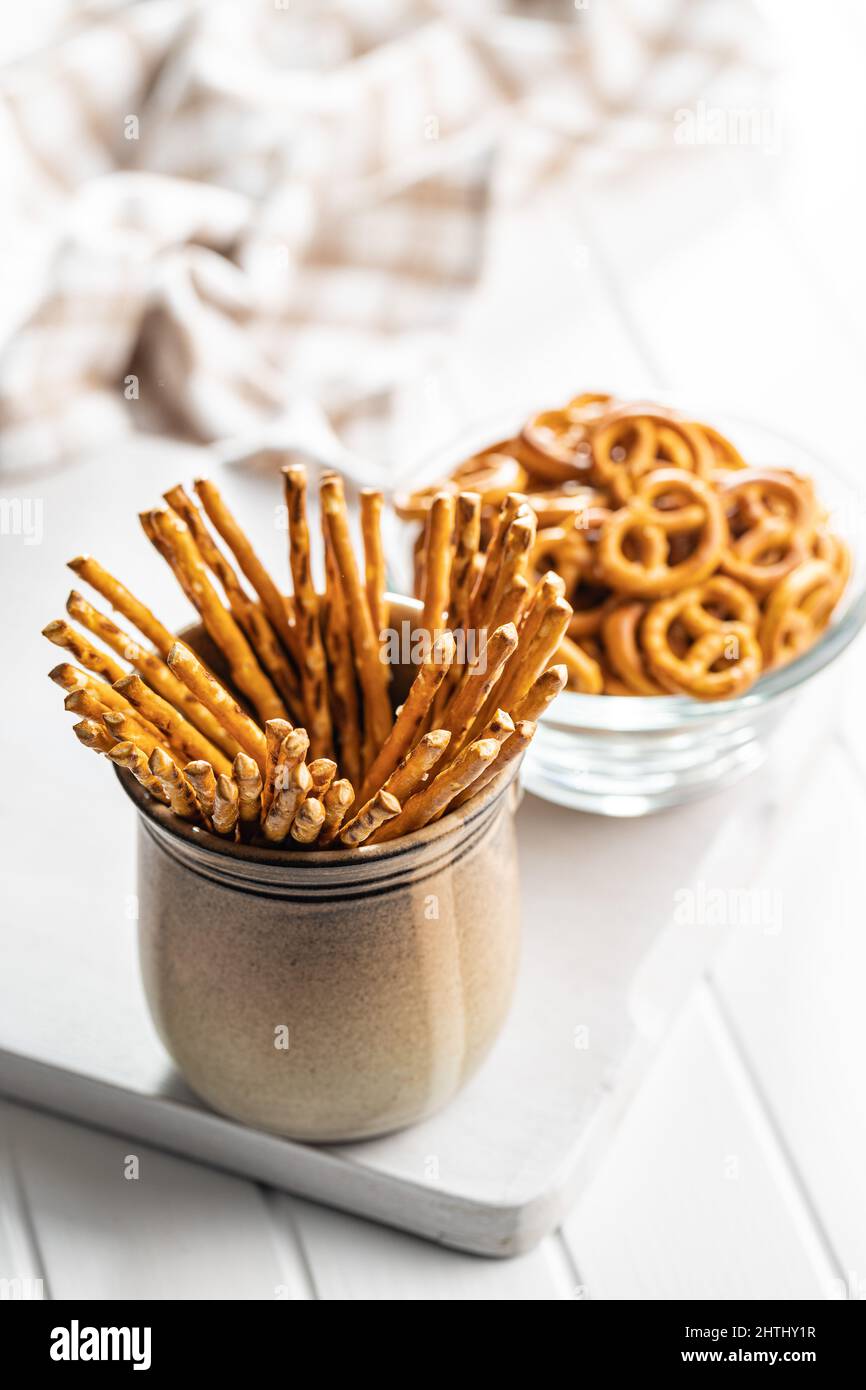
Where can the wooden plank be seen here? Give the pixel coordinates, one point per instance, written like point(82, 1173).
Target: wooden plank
point(695, 1200)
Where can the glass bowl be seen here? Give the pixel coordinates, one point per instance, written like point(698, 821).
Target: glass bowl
point(631, 755)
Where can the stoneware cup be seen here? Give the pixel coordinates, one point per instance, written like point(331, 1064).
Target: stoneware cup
point(333, 994)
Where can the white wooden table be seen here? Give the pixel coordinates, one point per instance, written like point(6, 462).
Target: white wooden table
point(721, 273)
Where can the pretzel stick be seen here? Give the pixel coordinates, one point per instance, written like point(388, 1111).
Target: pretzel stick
point(513, 747)
point(249, 616)
point(511, 602)
point(500, 728)
point(171, 778)
point(62, 635)
point(323, 771)
point(93, 735)
point(344, 694)
point(200, 776)
point(129, 756)
point(127, 728)
point(225, 808)
point(180, 734)
point(372, 673)
point(467, 530)
point(480, 601)
point(309, 821)
point(514, 563)
point(411, 717)
point(482, 675)
point(246, 673)
point(206, 688)
point(249, 784)
point(437, 562)
point(548, 589)
point(536, 650)
point(314, 670)
point(275, 731)
point(89, 706)
point(540, 694)
point(426, 804)
point(287, 802)
point(122, 601)
point(407, 778)
point(379, 809)
point(151, 667)
point(374, 557)
point(243, 551)
point(336, 801)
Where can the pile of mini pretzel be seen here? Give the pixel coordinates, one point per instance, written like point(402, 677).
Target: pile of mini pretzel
point(689, 571)
point(297, 741)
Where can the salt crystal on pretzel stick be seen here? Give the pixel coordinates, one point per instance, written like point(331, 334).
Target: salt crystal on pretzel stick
point(225, 808)
point(426, 805)
point(247, 613)
point(246, 672)
point(129, 756)
point(122, 601)
point(180, 794)
point(343, 690)
point(287, 802)
point(540, 694)
point(513, 747)
point(249, 783)
point(314, 669)
point(200, 776)
point(179, 734)
point(62, 635)
point(275, 731)
point(481, 677)
point(151, 667)
point(336, 801)
point(372, 673)
point(206, 688)
point(437, 562)
point(380, 808)
point(308, 821)
point(94, 735)
point(412, 715)
point(245, 554)
point(411, 772)
point(374, 556)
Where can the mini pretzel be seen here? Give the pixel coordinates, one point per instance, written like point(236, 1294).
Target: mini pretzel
point(651, 574)
point(491, 474)
point(697, 671)
point(554, 445)
point(621, 644)
point(772, 516)
point(633, 440)
point(795, 610)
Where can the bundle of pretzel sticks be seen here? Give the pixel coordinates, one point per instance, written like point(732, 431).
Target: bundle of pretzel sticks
point(298, 743)
point(689, 571)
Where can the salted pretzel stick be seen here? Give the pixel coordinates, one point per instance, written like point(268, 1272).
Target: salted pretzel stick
point(200, 776)
point(89, 706)
point(179, 734)
point(511, 602)
point(540, 694)
point(242, 549)
point(536, 650)
point(249, 616)
point(336, 801)
point(500, 728)
point(513, 747)
point(249, 784)
point(411, 717)
point(93, 735)
point(481, 677)
point(225, 807)
point(372, 673)
point(467, 531)
point(62, 635)
point(171, 778)
point(379, 809)
point(126, 728)
point(246, 673)
point(519, 540)
point(287, 802)
point(437, 562)
point(323, 771)
point(129, 756)
point(275, 731)
point(151, 667)
point(548, 589)
point(309, 821)
point(343, 690)
point(409, 775)
point(314, 670)
point(426, 804)
point(480, 602)
point(206, 688)
point(122, 601)
point(374, 557)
